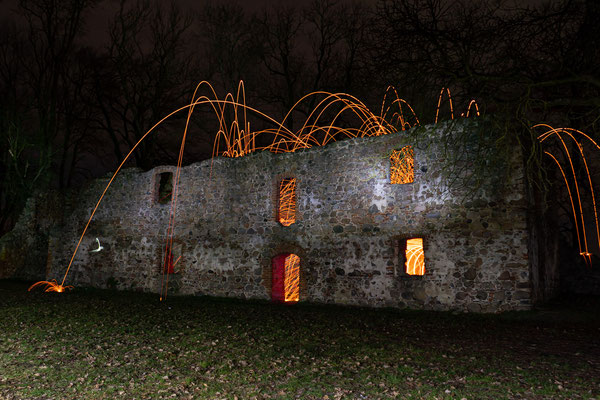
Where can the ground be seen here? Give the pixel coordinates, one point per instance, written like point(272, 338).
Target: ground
point(96, 344)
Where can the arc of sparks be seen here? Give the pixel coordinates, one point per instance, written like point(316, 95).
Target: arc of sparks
point(415, 257)
point(239, 140)
point(50, 286)
point(570, 132)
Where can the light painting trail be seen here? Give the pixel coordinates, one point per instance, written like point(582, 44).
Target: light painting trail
point(239, 140)
point(236, 139)
point(50, 286)
point(402, 168)
point(287, 201)
point(574, 196)
point(291, 280)
point(415, 257)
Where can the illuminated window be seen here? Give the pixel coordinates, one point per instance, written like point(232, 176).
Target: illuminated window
point(287, 202)
point(402, 166)
point(285, 285)
point(414, 257)
point(165, 187)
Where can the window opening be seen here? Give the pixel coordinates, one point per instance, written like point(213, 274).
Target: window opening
point(165, 187)
point(285, 278)
point(402, 166)
point(287, 201)
point(415, 257)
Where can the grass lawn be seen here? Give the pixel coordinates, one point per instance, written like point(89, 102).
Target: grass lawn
point(100, 344)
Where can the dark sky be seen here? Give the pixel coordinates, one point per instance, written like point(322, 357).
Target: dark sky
point(100, 16)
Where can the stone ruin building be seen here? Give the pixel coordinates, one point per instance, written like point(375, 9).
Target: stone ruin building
point(350, 229)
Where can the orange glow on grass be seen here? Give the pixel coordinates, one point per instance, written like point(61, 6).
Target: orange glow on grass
point(402, 168)
point(291, 280)
point(415, 257)
point(287, 201)
point(50, 286)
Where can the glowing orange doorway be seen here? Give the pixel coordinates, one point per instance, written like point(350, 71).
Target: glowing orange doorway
point(285, 285)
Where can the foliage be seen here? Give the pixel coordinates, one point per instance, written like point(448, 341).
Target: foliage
point(529, 61)
point(24, 169)
point(470, 155)
point(524, 64)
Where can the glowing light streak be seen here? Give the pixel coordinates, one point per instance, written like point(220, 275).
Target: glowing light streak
point(399, 115)
point(239, 140)
point(437, 112)
point(568, 154)
point(583, 250)
point(50, 286)
point(287, 201)
point(99, 248)
point(292, 278)
point(472, 103)
point(415, 257)
point(402, 166)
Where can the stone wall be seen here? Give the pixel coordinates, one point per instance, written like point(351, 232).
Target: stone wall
point(349, 230)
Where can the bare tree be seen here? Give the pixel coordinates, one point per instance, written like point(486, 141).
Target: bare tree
point(280, 30)
point(52, 29)
point(228, 48)
point(143, 76)
point(523, 59)
point(324, 29)
point(355, 49)
point(524, 63)
point(37, 96)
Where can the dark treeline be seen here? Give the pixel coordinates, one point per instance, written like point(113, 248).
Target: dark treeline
point(70, 111)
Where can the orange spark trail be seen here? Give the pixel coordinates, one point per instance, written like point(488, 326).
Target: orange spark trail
point(402, 166)
point(570, 197)
point(292, 278)
point(287, 201)
point(570, 132)
point(51, 286)
point(437, 112)
point(473, 103)
point(239, 140)
point(415, 257)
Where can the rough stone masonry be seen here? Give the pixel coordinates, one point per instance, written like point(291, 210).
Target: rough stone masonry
point(350, 226)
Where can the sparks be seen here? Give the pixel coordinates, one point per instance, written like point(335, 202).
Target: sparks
point(570, 180)
point(236, 139)
point(51, 286)
point(415, 257)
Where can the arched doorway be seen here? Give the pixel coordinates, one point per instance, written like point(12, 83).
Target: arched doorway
point(285, 284)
